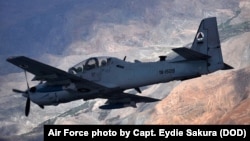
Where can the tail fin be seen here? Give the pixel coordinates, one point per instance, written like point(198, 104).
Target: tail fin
point(207, 42)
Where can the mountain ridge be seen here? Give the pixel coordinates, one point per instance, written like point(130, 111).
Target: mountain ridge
point(75, 30)
point(198, 102)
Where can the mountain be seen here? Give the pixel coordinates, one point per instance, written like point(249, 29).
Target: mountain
point(62, 33)
point(218, 98)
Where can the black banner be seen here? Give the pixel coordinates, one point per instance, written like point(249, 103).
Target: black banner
point(145, 132)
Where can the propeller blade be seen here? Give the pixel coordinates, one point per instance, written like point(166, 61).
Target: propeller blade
point(18, 91)
point(27, 107)
point(26, 79)
point(41, 106)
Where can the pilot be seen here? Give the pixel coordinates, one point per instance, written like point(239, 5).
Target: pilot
point(79, 69)
point(103, 63)
point(91, 64)
point(72, 70)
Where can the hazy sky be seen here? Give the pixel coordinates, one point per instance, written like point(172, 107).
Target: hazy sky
point(64, 32)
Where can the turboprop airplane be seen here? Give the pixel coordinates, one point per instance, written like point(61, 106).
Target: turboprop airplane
point(109, 77)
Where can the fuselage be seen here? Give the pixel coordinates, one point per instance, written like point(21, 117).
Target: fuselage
point(120, 75)
point(126, 75)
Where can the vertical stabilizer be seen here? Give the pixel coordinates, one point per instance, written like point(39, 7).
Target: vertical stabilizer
point(207, 42)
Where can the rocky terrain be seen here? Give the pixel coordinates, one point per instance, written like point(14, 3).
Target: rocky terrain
point(62, 33)
point(218, 98)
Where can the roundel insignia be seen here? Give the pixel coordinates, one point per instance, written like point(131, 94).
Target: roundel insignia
point(200, 36)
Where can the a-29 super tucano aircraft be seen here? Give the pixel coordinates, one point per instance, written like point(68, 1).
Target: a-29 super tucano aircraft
point(109, 77)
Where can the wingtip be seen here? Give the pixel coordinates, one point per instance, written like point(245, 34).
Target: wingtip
point(154, 100)
point(12, 57)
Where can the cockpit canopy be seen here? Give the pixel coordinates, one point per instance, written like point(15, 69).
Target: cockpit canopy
point(89, 64)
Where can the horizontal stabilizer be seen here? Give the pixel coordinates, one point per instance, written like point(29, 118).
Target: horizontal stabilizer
point(227, 67)
point(190, 54)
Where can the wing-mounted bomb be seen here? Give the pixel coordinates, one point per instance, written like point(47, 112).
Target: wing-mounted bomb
point(117, 104)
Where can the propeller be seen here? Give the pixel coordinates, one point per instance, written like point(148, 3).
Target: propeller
point(19, 91)
point(27, 107)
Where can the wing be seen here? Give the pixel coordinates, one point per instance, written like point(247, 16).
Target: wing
point(52, 75)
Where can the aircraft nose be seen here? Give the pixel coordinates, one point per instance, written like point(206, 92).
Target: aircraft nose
point(25, 94)
point(32, 89)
